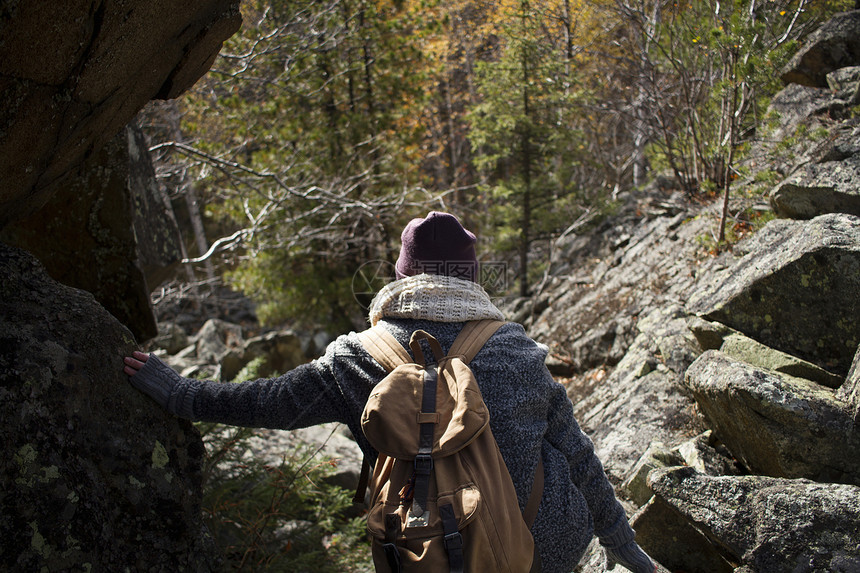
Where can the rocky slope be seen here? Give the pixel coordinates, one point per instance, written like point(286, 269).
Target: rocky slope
point(736, 375)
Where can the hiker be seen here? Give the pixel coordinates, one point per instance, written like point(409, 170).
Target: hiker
point(531, 416)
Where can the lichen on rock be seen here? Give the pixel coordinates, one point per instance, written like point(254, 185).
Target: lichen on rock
point(99, 476)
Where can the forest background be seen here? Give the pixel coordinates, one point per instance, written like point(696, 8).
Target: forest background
point(324, 126)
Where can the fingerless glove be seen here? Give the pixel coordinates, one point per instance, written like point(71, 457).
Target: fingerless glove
point(164, 385)
point(632, 557)
point(622, 549)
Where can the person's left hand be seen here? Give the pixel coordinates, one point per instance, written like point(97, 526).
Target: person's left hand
point(134, 362)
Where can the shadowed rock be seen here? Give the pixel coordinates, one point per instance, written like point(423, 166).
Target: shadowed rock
point(705, 453)
point(755, 353)
point(835, 45)
point(671, 539)
point(107, 231)
point(97, 476)
point(716, 336)
point(74, 73)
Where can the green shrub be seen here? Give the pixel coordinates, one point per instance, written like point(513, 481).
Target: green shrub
point(282, 517)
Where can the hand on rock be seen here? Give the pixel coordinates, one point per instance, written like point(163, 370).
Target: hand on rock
point(134, 362)
point(152, 377)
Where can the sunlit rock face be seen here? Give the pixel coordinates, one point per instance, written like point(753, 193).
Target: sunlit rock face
point(795, 274)
point(74, 73)
point(775, 424)
point(97, 477)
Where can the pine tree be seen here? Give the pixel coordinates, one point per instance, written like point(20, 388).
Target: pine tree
point(521, 144)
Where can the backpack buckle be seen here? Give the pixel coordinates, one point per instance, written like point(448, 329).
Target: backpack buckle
point(454, 542)
point(423, 464)
point(413, 520)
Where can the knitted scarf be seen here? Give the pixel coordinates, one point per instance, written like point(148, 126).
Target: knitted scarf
point(433, 297)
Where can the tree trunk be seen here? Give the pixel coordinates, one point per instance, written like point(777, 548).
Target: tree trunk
point(525, 221)
point(189, 193)
point(733, 127)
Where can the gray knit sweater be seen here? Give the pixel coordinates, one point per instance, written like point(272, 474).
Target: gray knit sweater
point(531, 415)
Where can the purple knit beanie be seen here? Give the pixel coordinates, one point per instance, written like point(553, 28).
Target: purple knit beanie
point(437, 245)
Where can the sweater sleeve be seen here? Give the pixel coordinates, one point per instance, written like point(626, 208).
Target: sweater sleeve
point(538, 407)
point(333, 388)
point(586, 470)
point(302, 397)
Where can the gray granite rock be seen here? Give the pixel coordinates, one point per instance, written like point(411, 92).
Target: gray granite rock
point(774, 424)
point(792, 274)
point(768, 524)
point(97, 477)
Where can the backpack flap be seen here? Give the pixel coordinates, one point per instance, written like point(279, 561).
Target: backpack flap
point(464, 415)
point(393, 413)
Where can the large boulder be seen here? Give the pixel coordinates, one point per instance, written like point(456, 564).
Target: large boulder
point(74, 73)
point(826, 185)
point(768, 524)
point(794, 273)
point(834, 45)
point(775, 424)
point(107, 231)
point(97, 477)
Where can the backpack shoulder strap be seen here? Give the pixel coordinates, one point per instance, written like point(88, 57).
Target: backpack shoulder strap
point(473, 337)
point(382, 345)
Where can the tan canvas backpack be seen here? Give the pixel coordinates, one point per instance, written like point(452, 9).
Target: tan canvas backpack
point(441, 497)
